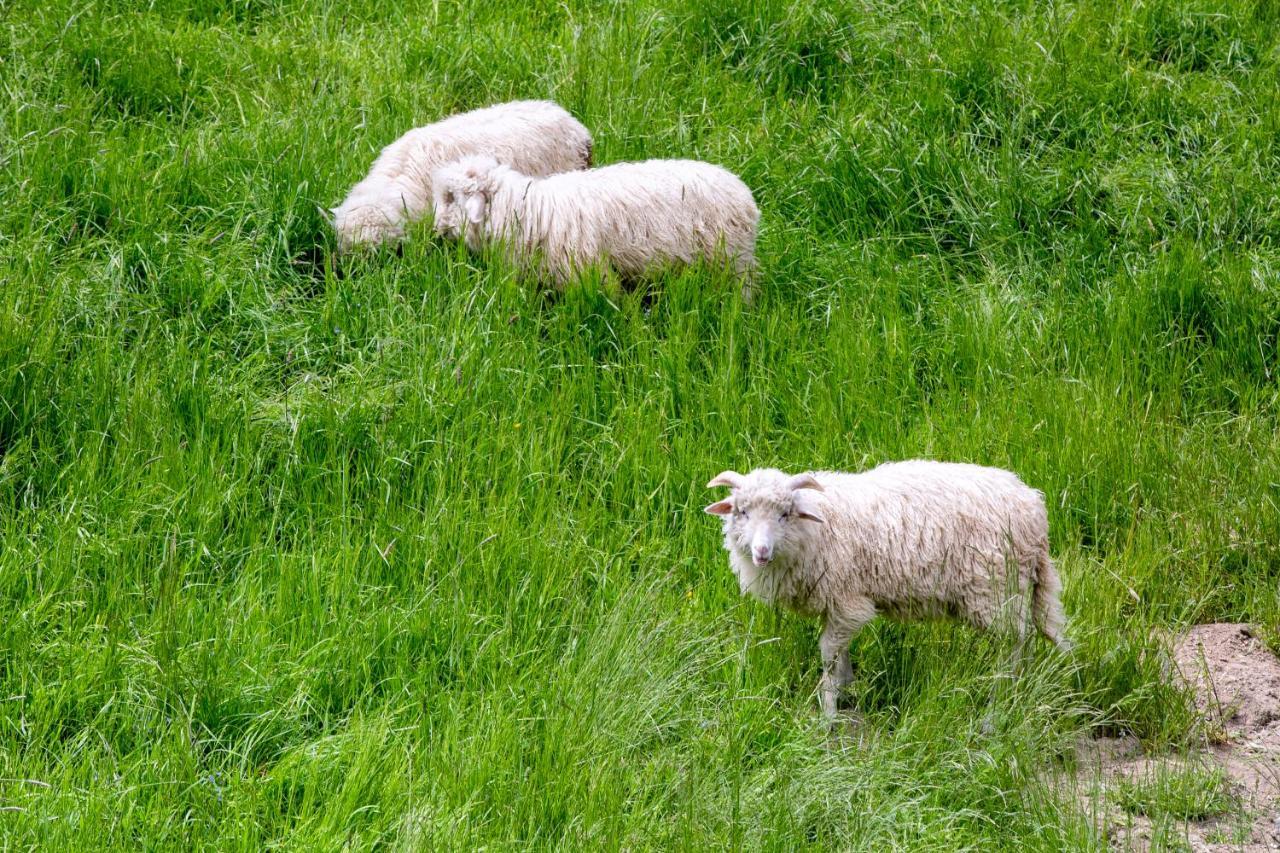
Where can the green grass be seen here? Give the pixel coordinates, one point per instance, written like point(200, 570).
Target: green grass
point(395, 551)
point(1185, 793)
point(1173, 795)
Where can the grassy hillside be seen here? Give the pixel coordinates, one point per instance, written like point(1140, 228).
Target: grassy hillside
point(399, 552)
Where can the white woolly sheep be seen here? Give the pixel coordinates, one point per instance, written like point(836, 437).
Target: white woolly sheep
point(912, 539)
point(634, 217)
point(537, 137)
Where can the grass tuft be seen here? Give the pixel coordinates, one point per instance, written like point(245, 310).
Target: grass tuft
point(1187, 793)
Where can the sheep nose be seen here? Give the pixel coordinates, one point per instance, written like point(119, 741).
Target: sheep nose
point(761, 554)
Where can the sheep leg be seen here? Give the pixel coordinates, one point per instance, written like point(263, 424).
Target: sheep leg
point(1011, 622)
point(837, 670)
point(745, 266)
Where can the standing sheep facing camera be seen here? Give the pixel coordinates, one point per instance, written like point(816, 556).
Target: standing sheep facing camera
point(910, 540)
point(633, 217)
point(537, 137)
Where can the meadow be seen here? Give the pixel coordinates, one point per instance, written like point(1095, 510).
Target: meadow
point(304, 551)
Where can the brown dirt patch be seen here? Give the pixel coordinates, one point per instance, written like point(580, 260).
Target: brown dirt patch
point(1235, 677)
point(1235, 680)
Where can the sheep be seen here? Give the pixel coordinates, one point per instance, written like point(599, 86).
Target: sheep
point(912, 539)
point(538, 137)
point(634, 217)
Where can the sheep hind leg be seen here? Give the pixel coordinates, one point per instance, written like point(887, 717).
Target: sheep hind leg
point(1010, 623)
point(745, 268)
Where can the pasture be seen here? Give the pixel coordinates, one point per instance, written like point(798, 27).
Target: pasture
point(306, 551)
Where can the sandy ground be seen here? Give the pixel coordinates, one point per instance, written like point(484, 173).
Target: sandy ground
point(1236, 682)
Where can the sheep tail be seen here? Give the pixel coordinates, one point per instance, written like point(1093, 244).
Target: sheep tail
point(1046, 604)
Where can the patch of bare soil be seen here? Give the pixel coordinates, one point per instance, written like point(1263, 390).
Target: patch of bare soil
point(1236, 683)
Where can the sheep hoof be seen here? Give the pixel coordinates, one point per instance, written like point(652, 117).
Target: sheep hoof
point(845, 729)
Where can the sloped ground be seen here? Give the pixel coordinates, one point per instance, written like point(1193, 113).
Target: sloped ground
point(306, 551)
point(1236, 683)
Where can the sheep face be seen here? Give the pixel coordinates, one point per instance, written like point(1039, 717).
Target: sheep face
point(767, 513)
point(462, 192)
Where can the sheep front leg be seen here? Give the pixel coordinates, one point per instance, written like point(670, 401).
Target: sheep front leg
point(837, 670)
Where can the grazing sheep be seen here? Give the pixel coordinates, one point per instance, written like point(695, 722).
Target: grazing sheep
point(635, 217)
point(537, 137)
point(907, 539)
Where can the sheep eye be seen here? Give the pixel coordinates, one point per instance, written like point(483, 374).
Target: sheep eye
point(784, 516)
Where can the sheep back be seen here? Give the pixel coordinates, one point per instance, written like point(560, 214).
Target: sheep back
point(534, 137)
point(634, 217)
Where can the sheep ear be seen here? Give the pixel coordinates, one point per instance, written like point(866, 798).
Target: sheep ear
point(803, 507)
point(719, 508)
point(475, 209)
point(732, 479)
point(804, 481)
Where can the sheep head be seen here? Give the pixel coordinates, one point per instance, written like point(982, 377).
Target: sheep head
point(767, 511)
point(462, 191)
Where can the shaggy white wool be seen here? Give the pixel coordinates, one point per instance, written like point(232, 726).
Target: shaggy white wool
point(907, 539)
point(536, 137)
point(634, 217)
